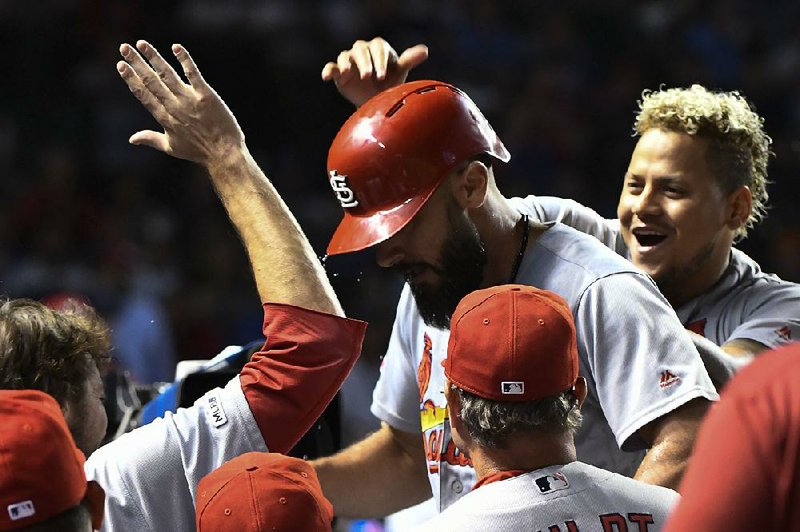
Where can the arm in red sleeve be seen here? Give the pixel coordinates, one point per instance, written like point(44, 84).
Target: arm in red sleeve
point(292, 379)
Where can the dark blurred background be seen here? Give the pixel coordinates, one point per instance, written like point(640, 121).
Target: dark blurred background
point(142, 235)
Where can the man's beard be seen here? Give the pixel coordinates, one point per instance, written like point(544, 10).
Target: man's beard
point(463, 259)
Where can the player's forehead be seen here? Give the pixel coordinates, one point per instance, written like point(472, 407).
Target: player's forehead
point(669, 155)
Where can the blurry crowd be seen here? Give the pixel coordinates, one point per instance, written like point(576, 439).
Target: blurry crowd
point(142, 236)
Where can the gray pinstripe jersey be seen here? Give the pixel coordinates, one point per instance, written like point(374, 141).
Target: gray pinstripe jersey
point(150, 475)
point(746, 303)
point(638, 361)
point(572, 497)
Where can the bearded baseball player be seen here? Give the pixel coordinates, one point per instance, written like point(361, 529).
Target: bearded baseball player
point(151, 475)
point(514, 396)
point(696, 184)
point(413, 170)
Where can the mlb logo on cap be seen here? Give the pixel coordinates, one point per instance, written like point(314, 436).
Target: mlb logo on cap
point(513, 388)
point(21, 510)
point(512, 343)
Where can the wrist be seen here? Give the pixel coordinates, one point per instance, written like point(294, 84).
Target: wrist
point(227, 156)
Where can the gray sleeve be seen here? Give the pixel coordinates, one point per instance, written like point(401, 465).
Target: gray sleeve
point(394, 399)
point(584, 219)
point(642, 361)
point(771, 314)
point(150, 475)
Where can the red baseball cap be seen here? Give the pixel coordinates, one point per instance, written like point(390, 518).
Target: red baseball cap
point(260, 492)
point(394, 152)
point(41, 469)
point(512, 343)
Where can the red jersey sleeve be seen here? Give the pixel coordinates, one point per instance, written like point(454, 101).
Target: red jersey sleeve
point(289, 382)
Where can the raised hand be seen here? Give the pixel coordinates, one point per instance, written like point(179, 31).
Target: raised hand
point(198, 126)
point(370, 67)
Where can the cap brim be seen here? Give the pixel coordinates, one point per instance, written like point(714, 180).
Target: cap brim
point(360, 232)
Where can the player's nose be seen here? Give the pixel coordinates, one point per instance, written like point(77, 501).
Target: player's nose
point(647, 203)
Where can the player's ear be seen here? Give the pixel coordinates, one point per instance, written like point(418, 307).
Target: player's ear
point(471, 185)
point(740, 204)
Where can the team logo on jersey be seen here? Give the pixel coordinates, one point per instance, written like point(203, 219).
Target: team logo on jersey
point(785, 332)
point(667, 379)
point(343, 192)
point(512, 387)
point(549, 483)
point(424, 368)
point(698, 327)
point(21, 510)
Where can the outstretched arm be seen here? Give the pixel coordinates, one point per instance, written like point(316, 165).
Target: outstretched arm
point(199, 127)
point(370, 67)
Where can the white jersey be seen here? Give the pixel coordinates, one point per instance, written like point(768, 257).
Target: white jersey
point(565, 498)
point(638, 361)
point(745, 303)
point(150, 475)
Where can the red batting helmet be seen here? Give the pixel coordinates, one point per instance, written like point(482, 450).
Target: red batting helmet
point(395, 150)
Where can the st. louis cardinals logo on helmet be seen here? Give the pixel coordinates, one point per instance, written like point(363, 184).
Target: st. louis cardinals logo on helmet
point(343, 192)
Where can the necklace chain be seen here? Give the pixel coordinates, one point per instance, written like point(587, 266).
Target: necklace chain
point(521, 253)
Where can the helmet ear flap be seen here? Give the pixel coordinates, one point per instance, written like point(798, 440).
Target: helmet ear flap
point(395, 151)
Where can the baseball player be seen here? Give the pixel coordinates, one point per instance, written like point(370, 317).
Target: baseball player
point(413, 170)
point(695, 185)
point(744, 471)
point(151, 474)
point(513, 396)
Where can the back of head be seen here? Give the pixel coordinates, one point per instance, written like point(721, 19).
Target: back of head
point(513, 359)
point(395, 150)
point(49, 350)
point(739, 148)
point(42, 483)
point(258, 492)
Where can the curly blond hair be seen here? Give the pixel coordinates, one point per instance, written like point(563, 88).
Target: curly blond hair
point(739, 149)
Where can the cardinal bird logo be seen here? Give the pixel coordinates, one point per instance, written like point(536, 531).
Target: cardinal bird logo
point(424, 369)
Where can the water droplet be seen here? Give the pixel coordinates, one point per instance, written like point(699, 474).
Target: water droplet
point(152, 321)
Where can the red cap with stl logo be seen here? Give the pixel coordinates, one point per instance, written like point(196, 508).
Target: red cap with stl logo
point(394, 152)
point(512, 343)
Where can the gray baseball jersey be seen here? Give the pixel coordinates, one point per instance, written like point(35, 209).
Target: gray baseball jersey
point(745, 303)
point(565, 498)
point(638, 361)
point(150, 475)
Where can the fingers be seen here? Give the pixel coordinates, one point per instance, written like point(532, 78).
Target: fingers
point(143, 94)
point(190, 68)
point(330, 72)
point(165, 72)
point(382, 55)
point(413, 57)
point(361, 56)
point(148, 76)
